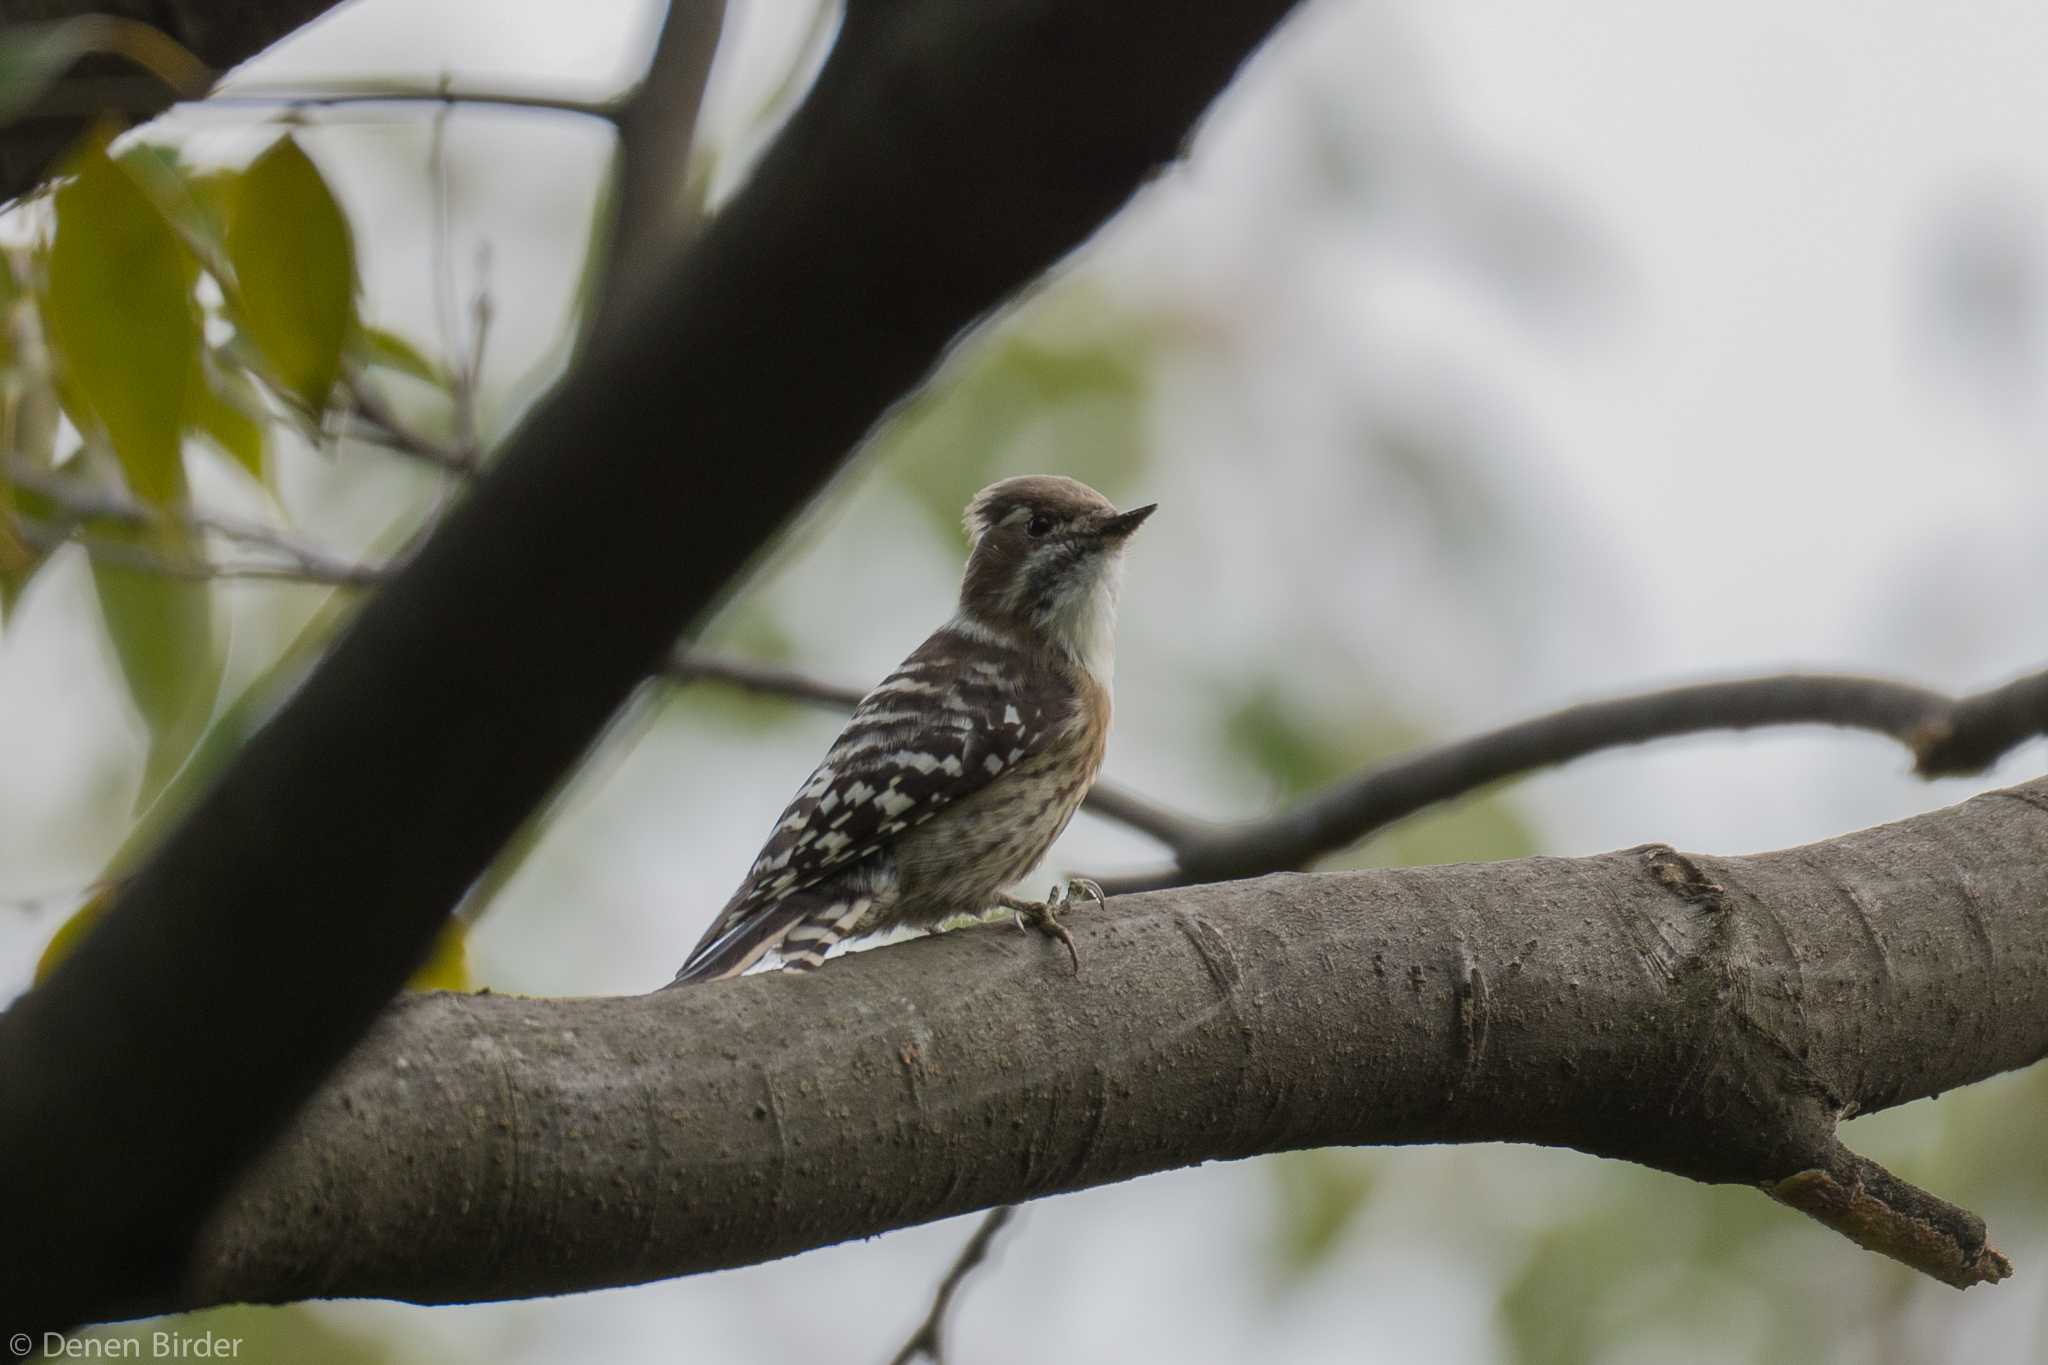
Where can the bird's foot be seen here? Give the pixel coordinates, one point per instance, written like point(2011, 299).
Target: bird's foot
point(1044, 916)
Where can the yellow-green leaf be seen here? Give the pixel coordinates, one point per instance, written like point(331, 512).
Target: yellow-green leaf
point(187, 201)
point(74, 929)
point(217, 192)
point(225, 409)
point(295, 271)
point(19, 558)
point(15, 556)
point(394, 352)
point(121, 321)
point(447, 967)
point(10, 294)
point(1320, 1195)
point(163, 633)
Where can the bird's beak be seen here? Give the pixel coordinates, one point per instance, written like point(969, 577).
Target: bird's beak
point(1120, 526)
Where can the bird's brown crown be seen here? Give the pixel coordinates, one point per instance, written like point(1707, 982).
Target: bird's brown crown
point(1044, 564)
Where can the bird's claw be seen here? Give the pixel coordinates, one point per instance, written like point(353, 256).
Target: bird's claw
point(1044, 916)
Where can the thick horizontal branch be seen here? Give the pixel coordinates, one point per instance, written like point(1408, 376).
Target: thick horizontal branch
point(1711, 1017)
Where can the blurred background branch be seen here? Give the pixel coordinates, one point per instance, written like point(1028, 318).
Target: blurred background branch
point(1947, 735)
point(653, 215)
point(928, 1341)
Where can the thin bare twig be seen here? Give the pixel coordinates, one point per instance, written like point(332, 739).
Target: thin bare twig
point(768, 679)
point(925, 1341)
point(335, 93)
point(387, 429)
point(327, 573)
point(83, 503)
point(469, 371)
point(85, 95)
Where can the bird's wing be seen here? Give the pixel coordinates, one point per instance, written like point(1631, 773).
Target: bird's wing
point(950, 720)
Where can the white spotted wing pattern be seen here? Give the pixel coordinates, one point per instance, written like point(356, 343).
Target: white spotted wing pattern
point(960, 711)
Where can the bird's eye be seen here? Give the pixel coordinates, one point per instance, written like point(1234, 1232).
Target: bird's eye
point(1040, 524)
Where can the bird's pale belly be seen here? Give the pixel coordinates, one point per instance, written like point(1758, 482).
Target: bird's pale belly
point(957, 861)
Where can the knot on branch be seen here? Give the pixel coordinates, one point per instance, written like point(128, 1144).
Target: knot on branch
point(1681, 876)
point(1973, 733)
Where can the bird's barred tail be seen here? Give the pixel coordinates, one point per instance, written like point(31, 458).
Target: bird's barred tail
point(803, 927)
point(805, 946)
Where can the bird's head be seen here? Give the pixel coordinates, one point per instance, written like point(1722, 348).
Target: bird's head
point(1046, 558)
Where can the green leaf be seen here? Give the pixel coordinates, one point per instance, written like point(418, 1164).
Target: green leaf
point(215, 195)
point(163, 633)
point(447, 965)
point(295, 271)
point(1319, 1195)
point(226, 409)
point(16, 558)
point(19, 559)
point(190, 204)
point(121, 321)
point(74, 929)
point(393, 352)
point(247, 1332)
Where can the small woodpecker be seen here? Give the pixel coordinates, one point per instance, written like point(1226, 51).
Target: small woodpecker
point(958, 771)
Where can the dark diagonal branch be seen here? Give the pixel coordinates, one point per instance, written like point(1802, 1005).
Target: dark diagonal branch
point(904, 200)
point(1710, 1017)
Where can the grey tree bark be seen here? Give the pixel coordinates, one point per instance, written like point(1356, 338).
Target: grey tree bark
point(1711, 1017)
